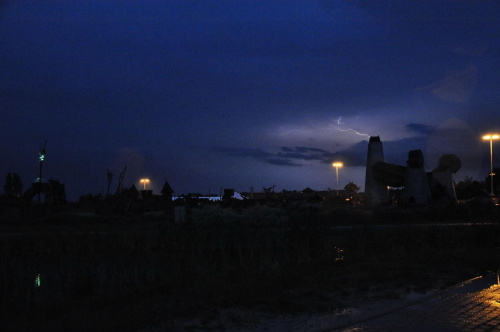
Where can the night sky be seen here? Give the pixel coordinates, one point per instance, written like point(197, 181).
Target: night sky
point(240, 94)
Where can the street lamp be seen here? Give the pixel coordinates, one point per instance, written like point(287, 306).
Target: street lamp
point(491, 137)
point(337, 164)
point(41, 159)
point(144, 181)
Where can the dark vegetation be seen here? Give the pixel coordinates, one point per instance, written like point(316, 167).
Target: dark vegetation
point(83, 273)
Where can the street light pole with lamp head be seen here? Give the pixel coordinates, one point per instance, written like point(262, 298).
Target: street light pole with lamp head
point(491, 137)
point(144, 181)
point(337, 164)
point(41, 159)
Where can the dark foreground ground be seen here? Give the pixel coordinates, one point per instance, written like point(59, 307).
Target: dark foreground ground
point(143, 274)
point(473, 305)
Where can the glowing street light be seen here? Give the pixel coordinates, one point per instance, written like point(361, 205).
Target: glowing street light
point(491, 137)
point(144, 182)
point(337, 164)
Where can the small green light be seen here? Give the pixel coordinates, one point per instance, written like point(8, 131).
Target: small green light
point(42, 157)
point(38, 280)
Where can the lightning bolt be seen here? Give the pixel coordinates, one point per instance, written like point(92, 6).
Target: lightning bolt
point(348, 130)
point(332, 126)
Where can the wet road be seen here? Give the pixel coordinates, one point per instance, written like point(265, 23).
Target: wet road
point(470, 306)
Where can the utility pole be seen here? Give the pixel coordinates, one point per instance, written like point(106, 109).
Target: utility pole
point(41, 158)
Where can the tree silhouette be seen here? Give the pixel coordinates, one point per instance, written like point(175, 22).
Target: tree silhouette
point(468, 188)
point(352, 188)
point(352, 192)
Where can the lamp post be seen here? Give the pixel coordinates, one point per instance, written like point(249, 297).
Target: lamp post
point(41, 159)
point(491, 137)
point(144, 181)
point(337, 164)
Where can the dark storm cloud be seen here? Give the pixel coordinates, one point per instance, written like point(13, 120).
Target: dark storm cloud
point(277, 159)
point(281, 162)
point(293, 156)
point(245, 153)
point(421, 129)
point(161, 76)
point(304, 153)
point(395, 151)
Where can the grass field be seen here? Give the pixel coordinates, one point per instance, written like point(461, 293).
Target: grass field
point(126, 274)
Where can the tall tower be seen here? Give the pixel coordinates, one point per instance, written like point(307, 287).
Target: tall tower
point(375, 191)
point(416, 190)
